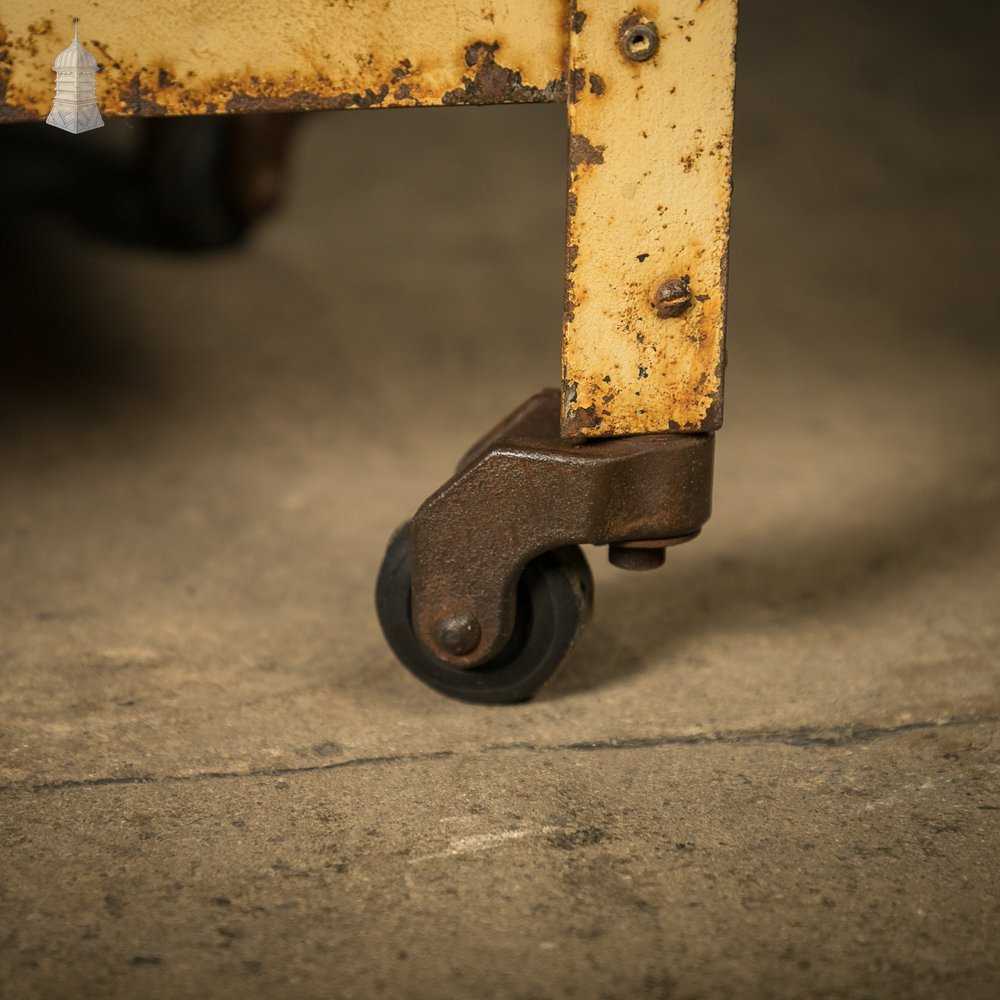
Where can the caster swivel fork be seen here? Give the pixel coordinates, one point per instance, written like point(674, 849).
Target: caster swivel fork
point(452, 596)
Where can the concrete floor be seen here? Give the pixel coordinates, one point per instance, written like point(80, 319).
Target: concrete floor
point(773, 768)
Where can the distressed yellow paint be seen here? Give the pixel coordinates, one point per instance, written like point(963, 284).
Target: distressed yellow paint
point(649, 201)
point(650, 149)
point(190, 57)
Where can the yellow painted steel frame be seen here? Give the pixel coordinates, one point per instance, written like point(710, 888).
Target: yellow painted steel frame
point(648, 227)
point(648, 88)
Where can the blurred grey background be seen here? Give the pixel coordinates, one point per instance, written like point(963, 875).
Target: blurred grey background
point(773, 767)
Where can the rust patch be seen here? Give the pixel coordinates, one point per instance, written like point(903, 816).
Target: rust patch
point(493, 83)
point(712, 420)
point(27, 45)
point(569, 289)
point(698, 395)
point(597, 87)
point(108, 59)
point(138, 99)
point(579, 20)
point(582, 150)
point(581, 423)
point(632, 21)
point(577, 83)
point(38, 30)
point(5, 68)
point(372, 98)
point(164, 80)
point(714, 414)
point(304, 100)
point(690, 161)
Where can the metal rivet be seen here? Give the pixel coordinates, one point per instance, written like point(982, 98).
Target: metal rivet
point(639, 42)
point(672, 297)
point(459, 634)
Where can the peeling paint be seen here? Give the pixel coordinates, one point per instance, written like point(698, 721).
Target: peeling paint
point(569, 294)
point(581, 422)
point(493, 83)
point(582, 150)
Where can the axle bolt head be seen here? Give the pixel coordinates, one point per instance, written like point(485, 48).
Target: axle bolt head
point(459, 634)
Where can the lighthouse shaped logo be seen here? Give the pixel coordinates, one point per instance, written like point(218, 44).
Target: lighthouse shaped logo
point(75, 107)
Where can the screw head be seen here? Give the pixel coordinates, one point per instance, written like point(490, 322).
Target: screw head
point(672, 297)
point(639, 42)
point(459, 634)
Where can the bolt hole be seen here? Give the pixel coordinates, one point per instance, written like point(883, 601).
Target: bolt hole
point(640, 42)
point(637, 43)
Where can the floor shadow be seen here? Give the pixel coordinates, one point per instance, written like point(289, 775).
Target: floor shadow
point(63, 351)
point(92, 182)
point(178, 183)
point(830, 574)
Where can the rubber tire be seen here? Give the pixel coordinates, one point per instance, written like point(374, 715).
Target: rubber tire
point(554, 602)
point(187, 164)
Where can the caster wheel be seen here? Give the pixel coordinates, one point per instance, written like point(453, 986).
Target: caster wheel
point(186, 161)
point(211, 177)
point(554, 602)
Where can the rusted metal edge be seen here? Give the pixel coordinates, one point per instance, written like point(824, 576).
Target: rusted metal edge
point(482, 78)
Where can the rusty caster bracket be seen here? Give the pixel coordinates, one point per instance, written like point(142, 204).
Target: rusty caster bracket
point(522, 491)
